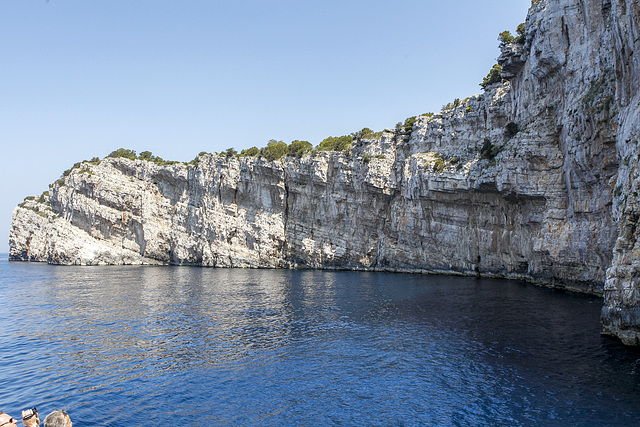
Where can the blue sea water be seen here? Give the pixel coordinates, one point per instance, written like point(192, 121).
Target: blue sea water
point(151, 346)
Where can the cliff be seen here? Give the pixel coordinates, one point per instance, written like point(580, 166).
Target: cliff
point(536, 178)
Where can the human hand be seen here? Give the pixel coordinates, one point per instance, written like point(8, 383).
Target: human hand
point(30, 417)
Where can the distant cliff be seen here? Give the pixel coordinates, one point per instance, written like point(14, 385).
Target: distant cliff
point(536, 178)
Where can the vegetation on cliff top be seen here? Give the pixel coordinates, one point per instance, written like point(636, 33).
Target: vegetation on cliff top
point(505, 38)
point(145, 155)
point(276, 150)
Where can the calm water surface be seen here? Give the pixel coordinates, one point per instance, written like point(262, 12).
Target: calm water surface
point(121, 346)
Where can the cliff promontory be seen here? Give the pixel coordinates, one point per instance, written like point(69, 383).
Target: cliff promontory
point(536, 178)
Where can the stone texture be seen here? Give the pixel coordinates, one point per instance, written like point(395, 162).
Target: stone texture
point(536, 178)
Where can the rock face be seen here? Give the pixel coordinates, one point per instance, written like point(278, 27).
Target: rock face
point(536, 178)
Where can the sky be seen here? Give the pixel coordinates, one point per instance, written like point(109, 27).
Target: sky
point(80, 78)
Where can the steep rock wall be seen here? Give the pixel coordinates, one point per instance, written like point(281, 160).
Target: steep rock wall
point(621, 311)
point(536, 179)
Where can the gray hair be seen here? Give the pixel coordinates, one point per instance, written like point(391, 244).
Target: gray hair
point(56, 419)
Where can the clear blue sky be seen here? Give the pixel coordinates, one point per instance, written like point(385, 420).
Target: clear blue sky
point(81, 78)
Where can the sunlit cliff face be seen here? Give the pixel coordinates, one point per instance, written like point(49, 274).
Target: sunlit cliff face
point(536, 178)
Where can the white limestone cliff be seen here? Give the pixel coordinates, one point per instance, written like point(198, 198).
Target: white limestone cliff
point(536, 178)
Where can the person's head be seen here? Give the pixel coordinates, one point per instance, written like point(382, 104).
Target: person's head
point(57, 419)
point(6, 420)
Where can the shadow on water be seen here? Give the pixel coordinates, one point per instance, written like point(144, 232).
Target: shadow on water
point(281, 347)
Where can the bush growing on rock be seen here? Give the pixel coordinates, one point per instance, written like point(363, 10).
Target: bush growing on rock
point(409, 122)
point(336, 143)
point(512, 129)
point(123, 152)
point(366, 133)
point(230, 152)
point(520, 38)
point(274, 150)
point(505, 37)
point(488, 150)
point(250, 152)
point(452, 105)
point(149, 157)
point(493, 76)
point(299, 148)
point(145, 155)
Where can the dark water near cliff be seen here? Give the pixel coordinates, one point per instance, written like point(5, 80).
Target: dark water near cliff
point(119, 346)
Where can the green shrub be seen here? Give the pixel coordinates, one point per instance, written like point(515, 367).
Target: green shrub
point(229, 152)
point(145, 155)
point(123, 152)
point(452, 105)
point(409, 122)
point(493, 76)
point(366, 159)
point(366, 133)
point(336, 143)
point(299, 148)
point(512, 129)
point(250, 152)
point(488, 150)
point(149, 157)
point(438, 165)
point(505, 37)
point(274, 150)
point(362, 134)
point(520, 38)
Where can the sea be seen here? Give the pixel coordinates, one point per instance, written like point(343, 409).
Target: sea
point(164, 346)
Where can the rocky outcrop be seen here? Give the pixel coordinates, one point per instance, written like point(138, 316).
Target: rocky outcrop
point(621, 311)
point(536, 178)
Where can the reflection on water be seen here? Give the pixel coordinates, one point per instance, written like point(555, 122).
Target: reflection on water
point(135, 345)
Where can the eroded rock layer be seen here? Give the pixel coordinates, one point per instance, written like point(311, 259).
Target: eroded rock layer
point(536, 178)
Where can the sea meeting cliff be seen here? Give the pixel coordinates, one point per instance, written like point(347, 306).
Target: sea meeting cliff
point(536, 178)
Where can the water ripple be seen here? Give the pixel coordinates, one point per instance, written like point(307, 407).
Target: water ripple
point(141, 345)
